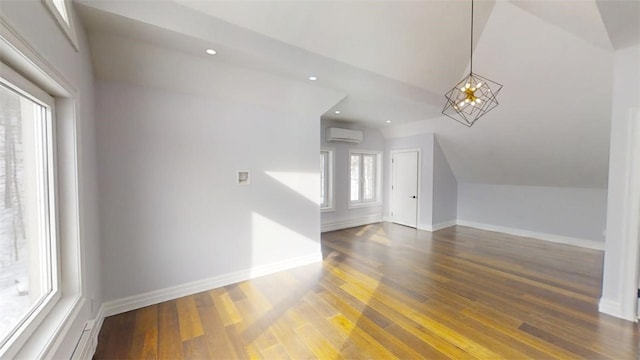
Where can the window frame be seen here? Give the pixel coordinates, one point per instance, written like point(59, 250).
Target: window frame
point(330, 204)
point(33, 319)
point(66, 25)
point(377, 200)
point(66, 318)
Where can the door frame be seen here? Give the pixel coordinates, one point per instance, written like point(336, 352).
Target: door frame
point(631, 220)
point(391, 180)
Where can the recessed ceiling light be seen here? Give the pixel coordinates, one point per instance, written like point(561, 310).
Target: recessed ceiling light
point(388, 121)
point(337, 112)
point(313, 78)
point(211, 52)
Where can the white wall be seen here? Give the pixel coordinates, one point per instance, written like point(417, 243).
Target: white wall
point(172, 211)
point(36, 25)
point(424, 142)
point(573, 213)
point(438, 186)
point(174, 128)
point(617, 294)
point(546, 138)
point(445, 189)
point(342, 216)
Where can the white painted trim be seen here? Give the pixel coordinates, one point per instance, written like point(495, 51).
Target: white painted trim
point(24, 59)
point(439, 226)
point(349, 223)
point(614, 308)
point(589, 244)
point(387, 218)
point(97, 324)
point(157, 296)
point(68, 29)
point(331, 206)
point(90, 347)
point(84, 349)
point(379, 178)
point(631, 218)
point(18, 54)
point(392, 152)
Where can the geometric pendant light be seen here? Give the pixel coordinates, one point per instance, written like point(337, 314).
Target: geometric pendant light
point(473, 96)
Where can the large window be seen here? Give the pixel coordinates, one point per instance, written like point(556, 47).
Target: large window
point(41, 298)
point(28, 246)
point(326, 180)
point(365, 178)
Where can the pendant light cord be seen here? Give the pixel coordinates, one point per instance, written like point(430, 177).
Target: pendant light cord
point(471, 47)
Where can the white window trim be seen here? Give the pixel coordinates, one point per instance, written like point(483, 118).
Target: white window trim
point(331, 177)
point(24, 87)
point(58, 322)
point(68, 29)
point(379, 185)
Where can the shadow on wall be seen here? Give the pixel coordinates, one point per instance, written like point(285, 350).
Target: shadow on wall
point(172, 210)
point(285, 231)
point(190, 245)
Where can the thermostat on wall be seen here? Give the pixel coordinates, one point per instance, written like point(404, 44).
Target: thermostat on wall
point(243, 177)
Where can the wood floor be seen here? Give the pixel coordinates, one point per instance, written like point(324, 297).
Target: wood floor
point(386, 291)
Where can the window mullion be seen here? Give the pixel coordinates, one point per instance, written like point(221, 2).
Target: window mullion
point(361, 178)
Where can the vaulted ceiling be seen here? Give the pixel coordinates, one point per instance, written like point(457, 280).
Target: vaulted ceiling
point(393, 60)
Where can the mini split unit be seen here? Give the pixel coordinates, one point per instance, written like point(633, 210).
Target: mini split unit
point(344, 135)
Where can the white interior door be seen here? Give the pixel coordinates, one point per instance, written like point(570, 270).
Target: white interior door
point(404, 188)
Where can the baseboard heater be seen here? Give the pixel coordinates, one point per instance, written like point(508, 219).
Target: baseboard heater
point(85, 347)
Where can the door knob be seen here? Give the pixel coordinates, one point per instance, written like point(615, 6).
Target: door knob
point(413, 197)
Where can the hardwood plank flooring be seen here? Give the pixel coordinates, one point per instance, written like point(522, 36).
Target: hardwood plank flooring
point(386, 291)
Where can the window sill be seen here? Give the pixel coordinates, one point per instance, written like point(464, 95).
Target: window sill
point(43, 342)
point(364, 205)
point(327, 209)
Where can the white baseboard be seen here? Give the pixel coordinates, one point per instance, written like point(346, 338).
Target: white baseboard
point(436, 227)
point(157, 296)
point(589, 244)
point(344, 224)
point(95, 330)
point(614, 308)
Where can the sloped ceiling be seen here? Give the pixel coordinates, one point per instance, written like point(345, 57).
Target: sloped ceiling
point(393, 60)
point(580, 18)
point(552, 125)
point(622, 20)
point(399, 40)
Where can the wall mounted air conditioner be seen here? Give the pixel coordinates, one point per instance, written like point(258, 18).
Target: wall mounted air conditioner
point(345, 135)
